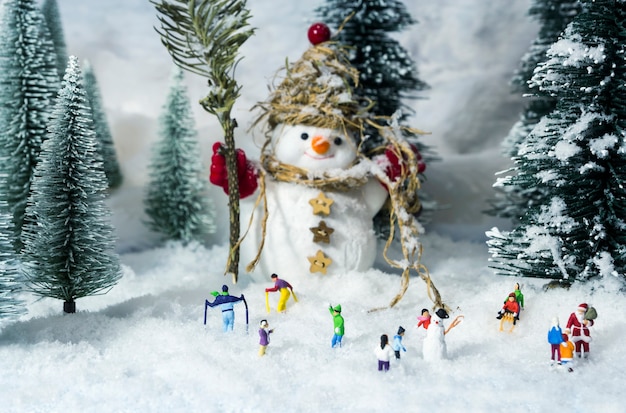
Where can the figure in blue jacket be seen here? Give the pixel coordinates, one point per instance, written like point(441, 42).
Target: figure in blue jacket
point(397, 342)
point(226, 302)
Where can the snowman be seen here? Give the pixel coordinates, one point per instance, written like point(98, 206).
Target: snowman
point(434, 347)
point(316, 193)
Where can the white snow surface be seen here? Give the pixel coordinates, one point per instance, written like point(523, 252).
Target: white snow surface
point(143, 347)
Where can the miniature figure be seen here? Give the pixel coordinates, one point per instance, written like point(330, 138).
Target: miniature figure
point(384, 352)
point(567, 351)
point(226, 302)
point(397, 342)
point(519, 297)
point(338, 323)
point(285, 288)
point(424, 319)
point(264, 337)
point(434, 344)
point(510, 306)
point(555, 338)
point(579, 323)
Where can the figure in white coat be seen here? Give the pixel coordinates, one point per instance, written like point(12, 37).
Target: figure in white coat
point(318, 194)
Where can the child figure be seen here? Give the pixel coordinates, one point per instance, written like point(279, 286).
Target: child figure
point(397, 342)
point(264, 337)
point(567, 351)
point(383, 353)
point(424, 319)
point(338, 325)
point(519, 297)
point(510, 306)
point(555, 338)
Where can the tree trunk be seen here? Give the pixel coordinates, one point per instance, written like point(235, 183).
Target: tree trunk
point(69, 307)
point(233, 198)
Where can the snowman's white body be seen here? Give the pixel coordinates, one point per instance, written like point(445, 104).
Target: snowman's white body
point(434, 347)
point(288, 240)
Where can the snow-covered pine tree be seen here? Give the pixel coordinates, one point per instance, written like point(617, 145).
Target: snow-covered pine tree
point(52, 17)
point(10, 280)
point(387, 73)
point(577, 155)
point(553, 16)
point(176, 201)
point(101, 126)
point(69, 242)
point(28, 85)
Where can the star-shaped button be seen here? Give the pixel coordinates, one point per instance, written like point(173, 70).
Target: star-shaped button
point(321, 233)
point(320, 262)
point(321, 204)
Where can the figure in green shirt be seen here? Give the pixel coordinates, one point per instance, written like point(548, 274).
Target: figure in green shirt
point(338, 322)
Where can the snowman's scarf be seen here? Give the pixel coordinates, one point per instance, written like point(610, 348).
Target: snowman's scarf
point(403, 203)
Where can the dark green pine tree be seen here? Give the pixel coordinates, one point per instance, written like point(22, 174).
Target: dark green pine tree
point(177, 202)
point(69, 242)
point(10, 280)
point(577, 155)
point(387, 73)
point(52, 17)
point(28, 85)
point(107, 147)
point(553, 16)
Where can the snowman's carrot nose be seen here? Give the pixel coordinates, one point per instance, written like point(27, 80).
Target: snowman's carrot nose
point(320, 145)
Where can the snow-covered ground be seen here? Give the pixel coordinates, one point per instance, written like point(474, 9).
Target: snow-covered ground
point(143, 346)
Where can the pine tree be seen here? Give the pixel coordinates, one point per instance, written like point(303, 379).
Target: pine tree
point(387, 73)
point(28, 85)
point(176, 200)
point(69, 242)
point(577, 155)
point(52, 18)
point(107, 147)
point(10, 280)
point(553, 16)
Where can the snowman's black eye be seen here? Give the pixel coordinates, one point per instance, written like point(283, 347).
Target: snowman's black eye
point(304, 136)
point(338, 141)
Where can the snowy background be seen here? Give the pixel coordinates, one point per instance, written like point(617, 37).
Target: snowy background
point(143, 347)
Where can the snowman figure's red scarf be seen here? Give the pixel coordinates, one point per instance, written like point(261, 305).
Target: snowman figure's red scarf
point(402, 204)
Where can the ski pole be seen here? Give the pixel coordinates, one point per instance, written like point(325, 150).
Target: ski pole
point(206, 305)
point(267, 301)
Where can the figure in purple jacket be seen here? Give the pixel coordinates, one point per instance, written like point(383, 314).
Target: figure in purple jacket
point(264, 337)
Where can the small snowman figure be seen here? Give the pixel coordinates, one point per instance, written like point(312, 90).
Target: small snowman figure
point(317, 193)
point(434, 347)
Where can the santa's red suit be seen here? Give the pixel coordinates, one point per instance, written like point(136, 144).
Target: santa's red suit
point(579, 328)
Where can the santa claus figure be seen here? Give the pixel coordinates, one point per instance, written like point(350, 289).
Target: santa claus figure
point(578, 325)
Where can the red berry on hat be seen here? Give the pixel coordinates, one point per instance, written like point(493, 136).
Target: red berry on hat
point(318, 33)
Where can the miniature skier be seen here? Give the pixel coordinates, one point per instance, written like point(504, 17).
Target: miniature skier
point(424, 319)
point(285, 290)
point(226, 302)
point(384, 352)
point(338, 325)
point(264, 337)
point(567, 351)
point(397, 342)
point(555, 338)
point(511, 307)
point(434, 347)
point(579, 323)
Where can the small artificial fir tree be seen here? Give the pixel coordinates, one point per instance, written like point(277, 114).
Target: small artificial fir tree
point(10, 279)
point(577, 155)
point(69, 242)
point(52, 18)
point(101, 126)
point(387, 73)
point(176, 200)
point(28, 85)
point(553, 16)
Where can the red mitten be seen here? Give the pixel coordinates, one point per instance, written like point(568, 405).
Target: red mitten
point(248, 178)
point(395, 167)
